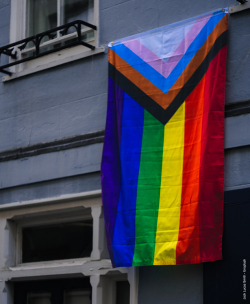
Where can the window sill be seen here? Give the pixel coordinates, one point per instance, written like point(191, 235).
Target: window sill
point(55, 268)
point(53, 60)
point(50, 264)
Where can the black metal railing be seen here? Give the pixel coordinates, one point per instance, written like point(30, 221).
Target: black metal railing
point(9, 49)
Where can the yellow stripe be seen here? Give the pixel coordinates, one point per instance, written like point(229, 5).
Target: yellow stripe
point(171, 188)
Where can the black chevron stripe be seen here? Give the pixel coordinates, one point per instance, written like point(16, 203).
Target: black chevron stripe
point(149, 104)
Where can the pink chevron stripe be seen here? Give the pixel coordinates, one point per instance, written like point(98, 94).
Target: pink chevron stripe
point(165, 68)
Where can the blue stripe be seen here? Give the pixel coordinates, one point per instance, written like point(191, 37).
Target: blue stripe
point(141, 66)
point(192, 50)
point(130, 152)
point(151, 74)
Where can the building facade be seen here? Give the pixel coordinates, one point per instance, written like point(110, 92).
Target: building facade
point(52, 122)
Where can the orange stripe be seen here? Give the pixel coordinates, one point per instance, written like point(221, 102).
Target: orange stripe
point(150, 89)
point(198, 58)
point(188, 246)
point(138, 79)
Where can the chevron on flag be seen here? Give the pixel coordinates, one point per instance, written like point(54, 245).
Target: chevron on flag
point(163, 158)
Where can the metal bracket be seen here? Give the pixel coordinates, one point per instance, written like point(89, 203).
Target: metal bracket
point(239, 8)
point(10, 51)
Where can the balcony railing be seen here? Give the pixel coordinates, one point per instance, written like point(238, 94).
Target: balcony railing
point(10, 49)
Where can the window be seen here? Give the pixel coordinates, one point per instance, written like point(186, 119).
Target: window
point(54, 236)
point(64, 291)
point(57, 241)
point(29, 17)
point(43, 15)
point(54, 251)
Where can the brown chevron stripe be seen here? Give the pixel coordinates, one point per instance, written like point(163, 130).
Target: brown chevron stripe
point(138, 79)
point(153, 107)
point(164, 100)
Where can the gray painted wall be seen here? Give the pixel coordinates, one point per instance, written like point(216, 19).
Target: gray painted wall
point(51, 188)
point(56, 103)
point(179, 284)
point(71, 100)
point(50, 166)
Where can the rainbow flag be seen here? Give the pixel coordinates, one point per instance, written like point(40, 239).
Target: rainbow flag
point(163, 157)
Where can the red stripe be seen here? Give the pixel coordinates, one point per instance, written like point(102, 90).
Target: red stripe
point(211, 188)
point(188, 246)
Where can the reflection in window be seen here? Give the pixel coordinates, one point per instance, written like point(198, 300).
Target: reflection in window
point(41, 16)
point(77, 10)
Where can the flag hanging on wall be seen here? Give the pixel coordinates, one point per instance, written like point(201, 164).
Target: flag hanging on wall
point(163, 157)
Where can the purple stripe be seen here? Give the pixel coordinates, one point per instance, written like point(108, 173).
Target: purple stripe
point(165, 68)
point(110, 168)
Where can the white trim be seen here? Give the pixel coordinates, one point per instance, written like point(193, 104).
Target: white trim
point(62, 208)
point(56, 199)
point(50, 264)
point(238, 8)
point(133, 278)
point(58, 14)
point(16, 20)
point(86, 268)
point(24, 20)
point(96, 22)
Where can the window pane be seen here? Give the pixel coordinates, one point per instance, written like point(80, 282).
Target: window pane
point(77, 10)
point(39, 298)
point(57, 242)
point(59, 291)
point(77, 297)
point(41, 16)
point(122, 292)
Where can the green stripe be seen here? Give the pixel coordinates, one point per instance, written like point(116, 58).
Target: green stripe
point(148, 190)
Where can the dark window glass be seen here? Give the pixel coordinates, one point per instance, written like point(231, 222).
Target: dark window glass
point(42, 15)
point(122, 292)
point(38, 298)
point(57, 242)
point(77, 10)
point(61, 291)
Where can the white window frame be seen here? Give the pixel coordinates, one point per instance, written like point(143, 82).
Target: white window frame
point(18, 32)
point(60, 209)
